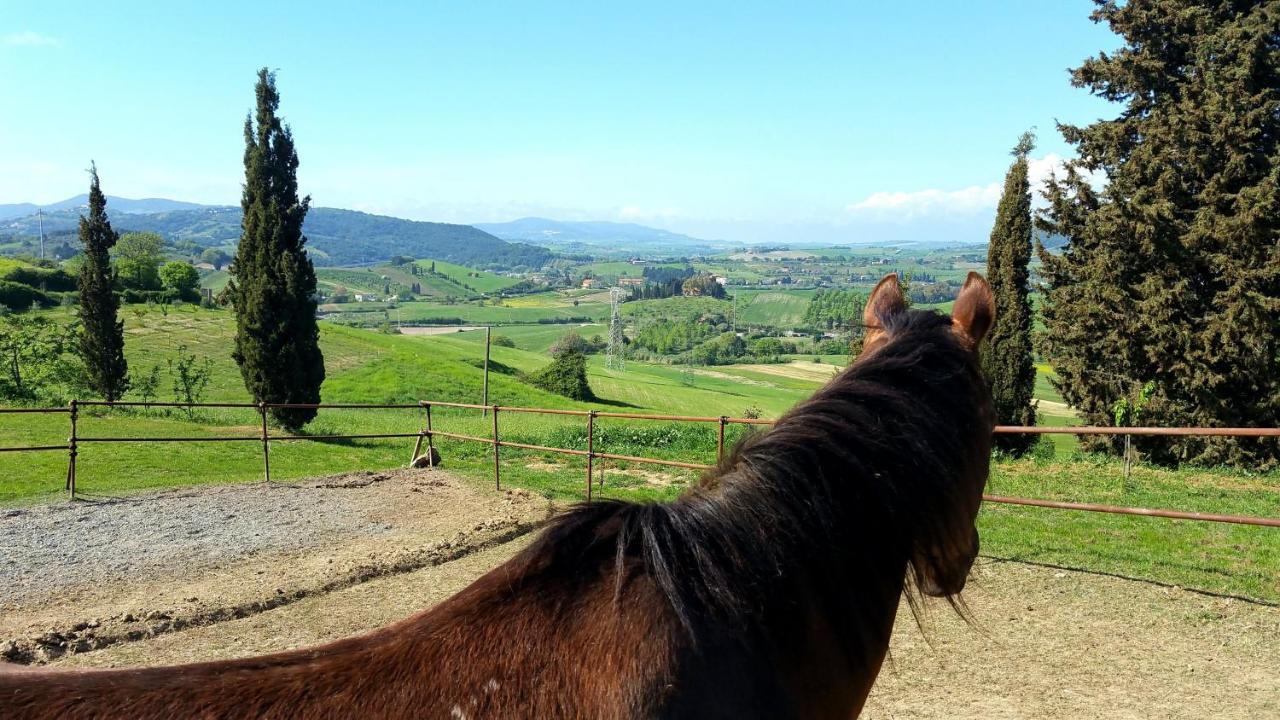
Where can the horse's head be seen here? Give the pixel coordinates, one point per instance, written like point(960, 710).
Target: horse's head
point(944, 551)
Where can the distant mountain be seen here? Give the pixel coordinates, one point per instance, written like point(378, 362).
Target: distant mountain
point(117, 204)
point(622, 237)
point(17, 210)
point(335, 236)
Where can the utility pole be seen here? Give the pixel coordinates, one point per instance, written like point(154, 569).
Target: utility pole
point(40, 219)
point(488, 335)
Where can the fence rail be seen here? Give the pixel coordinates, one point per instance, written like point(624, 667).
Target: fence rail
point(428, 433)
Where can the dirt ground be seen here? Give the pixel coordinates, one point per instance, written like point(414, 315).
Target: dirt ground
point(1044, 642)
point(345, 531)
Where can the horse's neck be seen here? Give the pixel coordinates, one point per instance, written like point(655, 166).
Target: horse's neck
point(841, 567)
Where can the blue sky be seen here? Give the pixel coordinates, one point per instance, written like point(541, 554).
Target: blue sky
point(761, 122)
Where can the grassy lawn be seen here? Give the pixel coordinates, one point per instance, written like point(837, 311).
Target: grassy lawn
point(778, 308)
point(368, 367)
point(481, 280)
point(536, 338)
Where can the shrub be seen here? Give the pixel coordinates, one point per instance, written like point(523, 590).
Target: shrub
point(181, 279)
point(20, 297)
point(502, 341)
point(48, 279)
point(566, 375)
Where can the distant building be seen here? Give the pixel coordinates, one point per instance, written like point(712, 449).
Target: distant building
point(588, 282)
point(722, 280)
point(631, 282)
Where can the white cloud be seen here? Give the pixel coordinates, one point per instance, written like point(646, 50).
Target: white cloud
point(973, 201)
point(27, 38)
point(906, 205)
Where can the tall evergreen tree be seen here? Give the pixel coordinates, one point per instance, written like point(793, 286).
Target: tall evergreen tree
point(1006, 351)
point(274, 284)
point(1169, 288)
point(102, 332)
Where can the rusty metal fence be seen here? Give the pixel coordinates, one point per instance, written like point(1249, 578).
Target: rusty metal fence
point(428, 433)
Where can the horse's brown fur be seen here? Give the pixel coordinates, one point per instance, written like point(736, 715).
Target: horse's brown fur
point(769, 590)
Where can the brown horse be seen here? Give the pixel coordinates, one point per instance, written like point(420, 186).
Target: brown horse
point(769, 590)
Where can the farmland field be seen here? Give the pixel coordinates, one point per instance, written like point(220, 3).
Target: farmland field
point(783, 309)
point(368, 367)
point(480, 280)
point(1042, 572)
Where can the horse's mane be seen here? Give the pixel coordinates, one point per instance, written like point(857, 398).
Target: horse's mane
point(865, 470)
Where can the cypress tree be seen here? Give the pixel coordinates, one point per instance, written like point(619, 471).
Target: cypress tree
point(1006, 351)
point(274, 284)
point(101, 333)
point(1167, 296)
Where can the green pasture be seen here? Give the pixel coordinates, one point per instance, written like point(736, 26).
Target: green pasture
point(779, 308)
point(481, 280)
point(536, 338)
point(367, 367)
point(425, 312)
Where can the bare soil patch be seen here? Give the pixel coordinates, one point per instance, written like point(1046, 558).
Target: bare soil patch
point(796, 370)
point(1050, 643)
point(1044, 642)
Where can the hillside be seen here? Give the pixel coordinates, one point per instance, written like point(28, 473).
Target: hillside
point(128, 205)
point(336, 236)
point(624, 238)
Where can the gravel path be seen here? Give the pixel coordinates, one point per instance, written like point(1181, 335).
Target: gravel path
point(79, 577)
point(47, 548)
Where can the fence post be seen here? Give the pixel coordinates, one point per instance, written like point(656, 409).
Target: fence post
point(266, 445)
point(497, 474)
point(591, 448)
point(431, 441)
point(74, 412)
point(1128, 462)
point(417, 444)
point(720, 441)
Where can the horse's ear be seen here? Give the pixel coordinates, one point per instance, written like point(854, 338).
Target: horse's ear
point(974, 311)
point(885, 301)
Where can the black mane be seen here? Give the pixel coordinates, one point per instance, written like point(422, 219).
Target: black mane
point(865, 469)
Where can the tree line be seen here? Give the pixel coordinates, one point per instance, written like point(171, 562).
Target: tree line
point(1163, 306)
point(272, 290)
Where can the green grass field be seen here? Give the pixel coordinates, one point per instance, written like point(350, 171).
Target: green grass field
point(536, 338)
point(510, 312)
point(481, 280)
point(779, 308)
point(368, 367)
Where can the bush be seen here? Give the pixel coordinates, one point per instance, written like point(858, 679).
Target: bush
point(566, 375)
point(160, 297)
point(181, 279)
point(48, 279)
point(571, 340)
point(20, 297)
point(502, 341)
point(833, 347)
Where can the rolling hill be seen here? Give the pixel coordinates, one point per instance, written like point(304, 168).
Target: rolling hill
point(336, 236)
point(594, 235)
point(118, 204)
